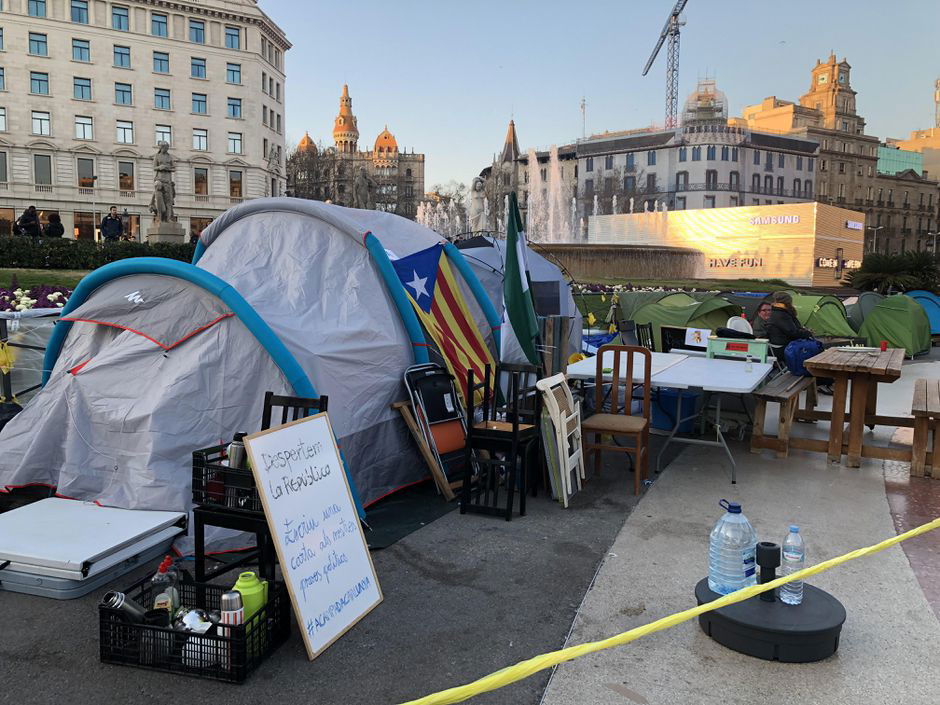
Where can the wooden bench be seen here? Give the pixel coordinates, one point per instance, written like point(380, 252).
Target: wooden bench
point(925, 408)
point(784, 389)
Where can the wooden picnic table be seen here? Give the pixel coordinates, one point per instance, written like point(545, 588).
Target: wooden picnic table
point(856, 376)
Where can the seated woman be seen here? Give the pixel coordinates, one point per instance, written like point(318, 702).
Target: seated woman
point(783, 326)
point(760, 320)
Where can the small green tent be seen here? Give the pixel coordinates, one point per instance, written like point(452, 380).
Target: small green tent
point(824, 315)
point(631, 301)
point(901, 321)
point(682, 311)
point(858, 307)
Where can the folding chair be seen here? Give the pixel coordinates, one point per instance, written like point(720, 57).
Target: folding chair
point(644, 335)
point(565, 414)
point(439, 417)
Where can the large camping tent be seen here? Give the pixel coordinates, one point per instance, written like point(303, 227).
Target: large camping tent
point(824, 315)
point(682, 311)
point(155, 358)
point(858, 307)
point(551, 291)
point(901, 321)
point(931, 303)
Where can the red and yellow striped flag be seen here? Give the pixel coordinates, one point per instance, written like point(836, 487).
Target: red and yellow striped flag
point(433, 290)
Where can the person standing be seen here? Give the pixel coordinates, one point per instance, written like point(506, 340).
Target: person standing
point(112, 226)
point(54, 227)
point(29, 222)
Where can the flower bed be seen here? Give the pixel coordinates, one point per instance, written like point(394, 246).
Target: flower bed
point(41, 296)
point(579, 288)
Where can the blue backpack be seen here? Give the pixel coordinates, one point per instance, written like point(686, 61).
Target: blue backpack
point(797, 352)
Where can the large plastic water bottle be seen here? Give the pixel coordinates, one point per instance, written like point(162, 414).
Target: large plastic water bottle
point(731, 551)
point(794, 555)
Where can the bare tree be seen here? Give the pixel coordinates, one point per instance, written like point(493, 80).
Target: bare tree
point(455, 191)
point(312, 174)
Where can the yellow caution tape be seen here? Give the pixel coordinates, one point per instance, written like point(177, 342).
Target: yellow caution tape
point(526, 668)
point(7, 358)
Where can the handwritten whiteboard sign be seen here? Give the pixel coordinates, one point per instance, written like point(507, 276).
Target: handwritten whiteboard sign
point(313, 521)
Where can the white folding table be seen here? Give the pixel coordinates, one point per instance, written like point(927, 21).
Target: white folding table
point(681, 372)
point(586, 369)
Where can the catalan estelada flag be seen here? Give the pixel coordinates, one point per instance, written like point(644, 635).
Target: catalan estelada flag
point(429, 282)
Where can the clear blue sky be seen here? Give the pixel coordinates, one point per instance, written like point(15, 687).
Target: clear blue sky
point(447, 76)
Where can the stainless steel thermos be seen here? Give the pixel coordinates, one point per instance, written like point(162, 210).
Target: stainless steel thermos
point(120, 601)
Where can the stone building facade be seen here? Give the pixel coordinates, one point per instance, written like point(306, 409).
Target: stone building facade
point(901, 208)
point(394, 178)
point(98, 84)
point(705, 163)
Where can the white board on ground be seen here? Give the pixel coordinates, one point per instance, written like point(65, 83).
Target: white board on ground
point(313, 521)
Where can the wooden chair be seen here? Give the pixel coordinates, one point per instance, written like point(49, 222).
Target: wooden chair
point(295, 407)
point(529, 408)
point(292, 408)
point(565, 414)
point(644, 335)
point(620, 421)
point(496, 449)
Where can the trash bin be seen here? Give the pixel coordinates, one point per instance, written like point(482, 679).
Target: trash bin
point(664, 408)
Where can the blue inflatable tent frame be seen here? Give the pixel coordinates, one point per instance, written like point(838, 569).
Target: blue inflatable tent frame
point(225, 292)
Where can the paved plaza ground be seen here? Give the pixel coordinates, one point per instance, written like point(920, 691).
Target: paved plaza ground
point(467, 595)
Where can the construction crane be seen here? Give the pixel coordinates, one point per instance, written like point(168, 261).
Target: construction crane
point(670, 30)
point(936, 103)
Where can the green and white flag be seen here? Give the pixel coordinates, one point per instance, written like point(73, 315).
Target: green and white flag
point(519, 328)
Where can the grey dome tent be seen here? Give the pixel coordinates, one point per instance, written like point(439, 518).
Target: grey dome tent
point(858, 307)
point(155, 358)
point(551, 291)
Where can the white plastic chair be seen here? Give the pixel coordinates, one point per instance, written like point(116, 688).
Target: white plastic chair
point(565, 414)
point(740, 324)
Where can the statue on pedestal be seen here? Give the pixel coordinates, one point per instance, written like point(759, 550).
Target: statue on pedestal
point(476, 209)
point(274, 163)
point(164, 190)
point(165, 227)
point(363, 190)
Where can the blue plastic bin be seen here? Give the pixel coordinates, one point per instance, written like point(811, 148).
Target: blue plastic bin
point(664, 408)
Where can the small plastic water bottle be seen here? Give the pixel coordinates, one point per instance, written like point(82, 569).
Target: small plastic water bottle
point(748, 364)
point(793, 557)
point(731, 551)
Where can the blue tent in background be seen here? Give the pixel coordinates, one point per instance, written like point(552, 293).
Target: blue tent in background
point(931, 303)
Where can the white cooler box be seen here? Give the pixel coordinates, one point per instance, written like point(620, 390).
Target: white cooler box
point(64, 548)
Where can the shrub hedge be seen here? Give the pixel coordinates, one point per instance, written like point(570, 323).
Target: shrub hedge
point(62, 253)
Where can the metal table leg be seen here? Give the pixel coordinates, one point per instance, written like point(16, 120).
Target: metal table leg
point(719, 436)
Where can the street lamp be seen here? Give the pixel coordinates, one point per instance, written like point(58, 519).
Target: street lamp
point(95, 234)
point(874, 236)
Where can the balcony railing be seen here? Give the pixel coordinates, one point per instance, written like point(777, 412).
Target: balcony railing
point(723, 186)
point(81, 198)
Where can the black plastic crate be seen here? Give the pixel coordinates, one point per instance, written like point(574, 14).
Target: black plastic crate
point(229, 658)
point(219, 486)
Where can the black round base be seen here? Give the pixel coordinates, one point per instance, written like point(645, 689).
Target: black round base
point(773, 630)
